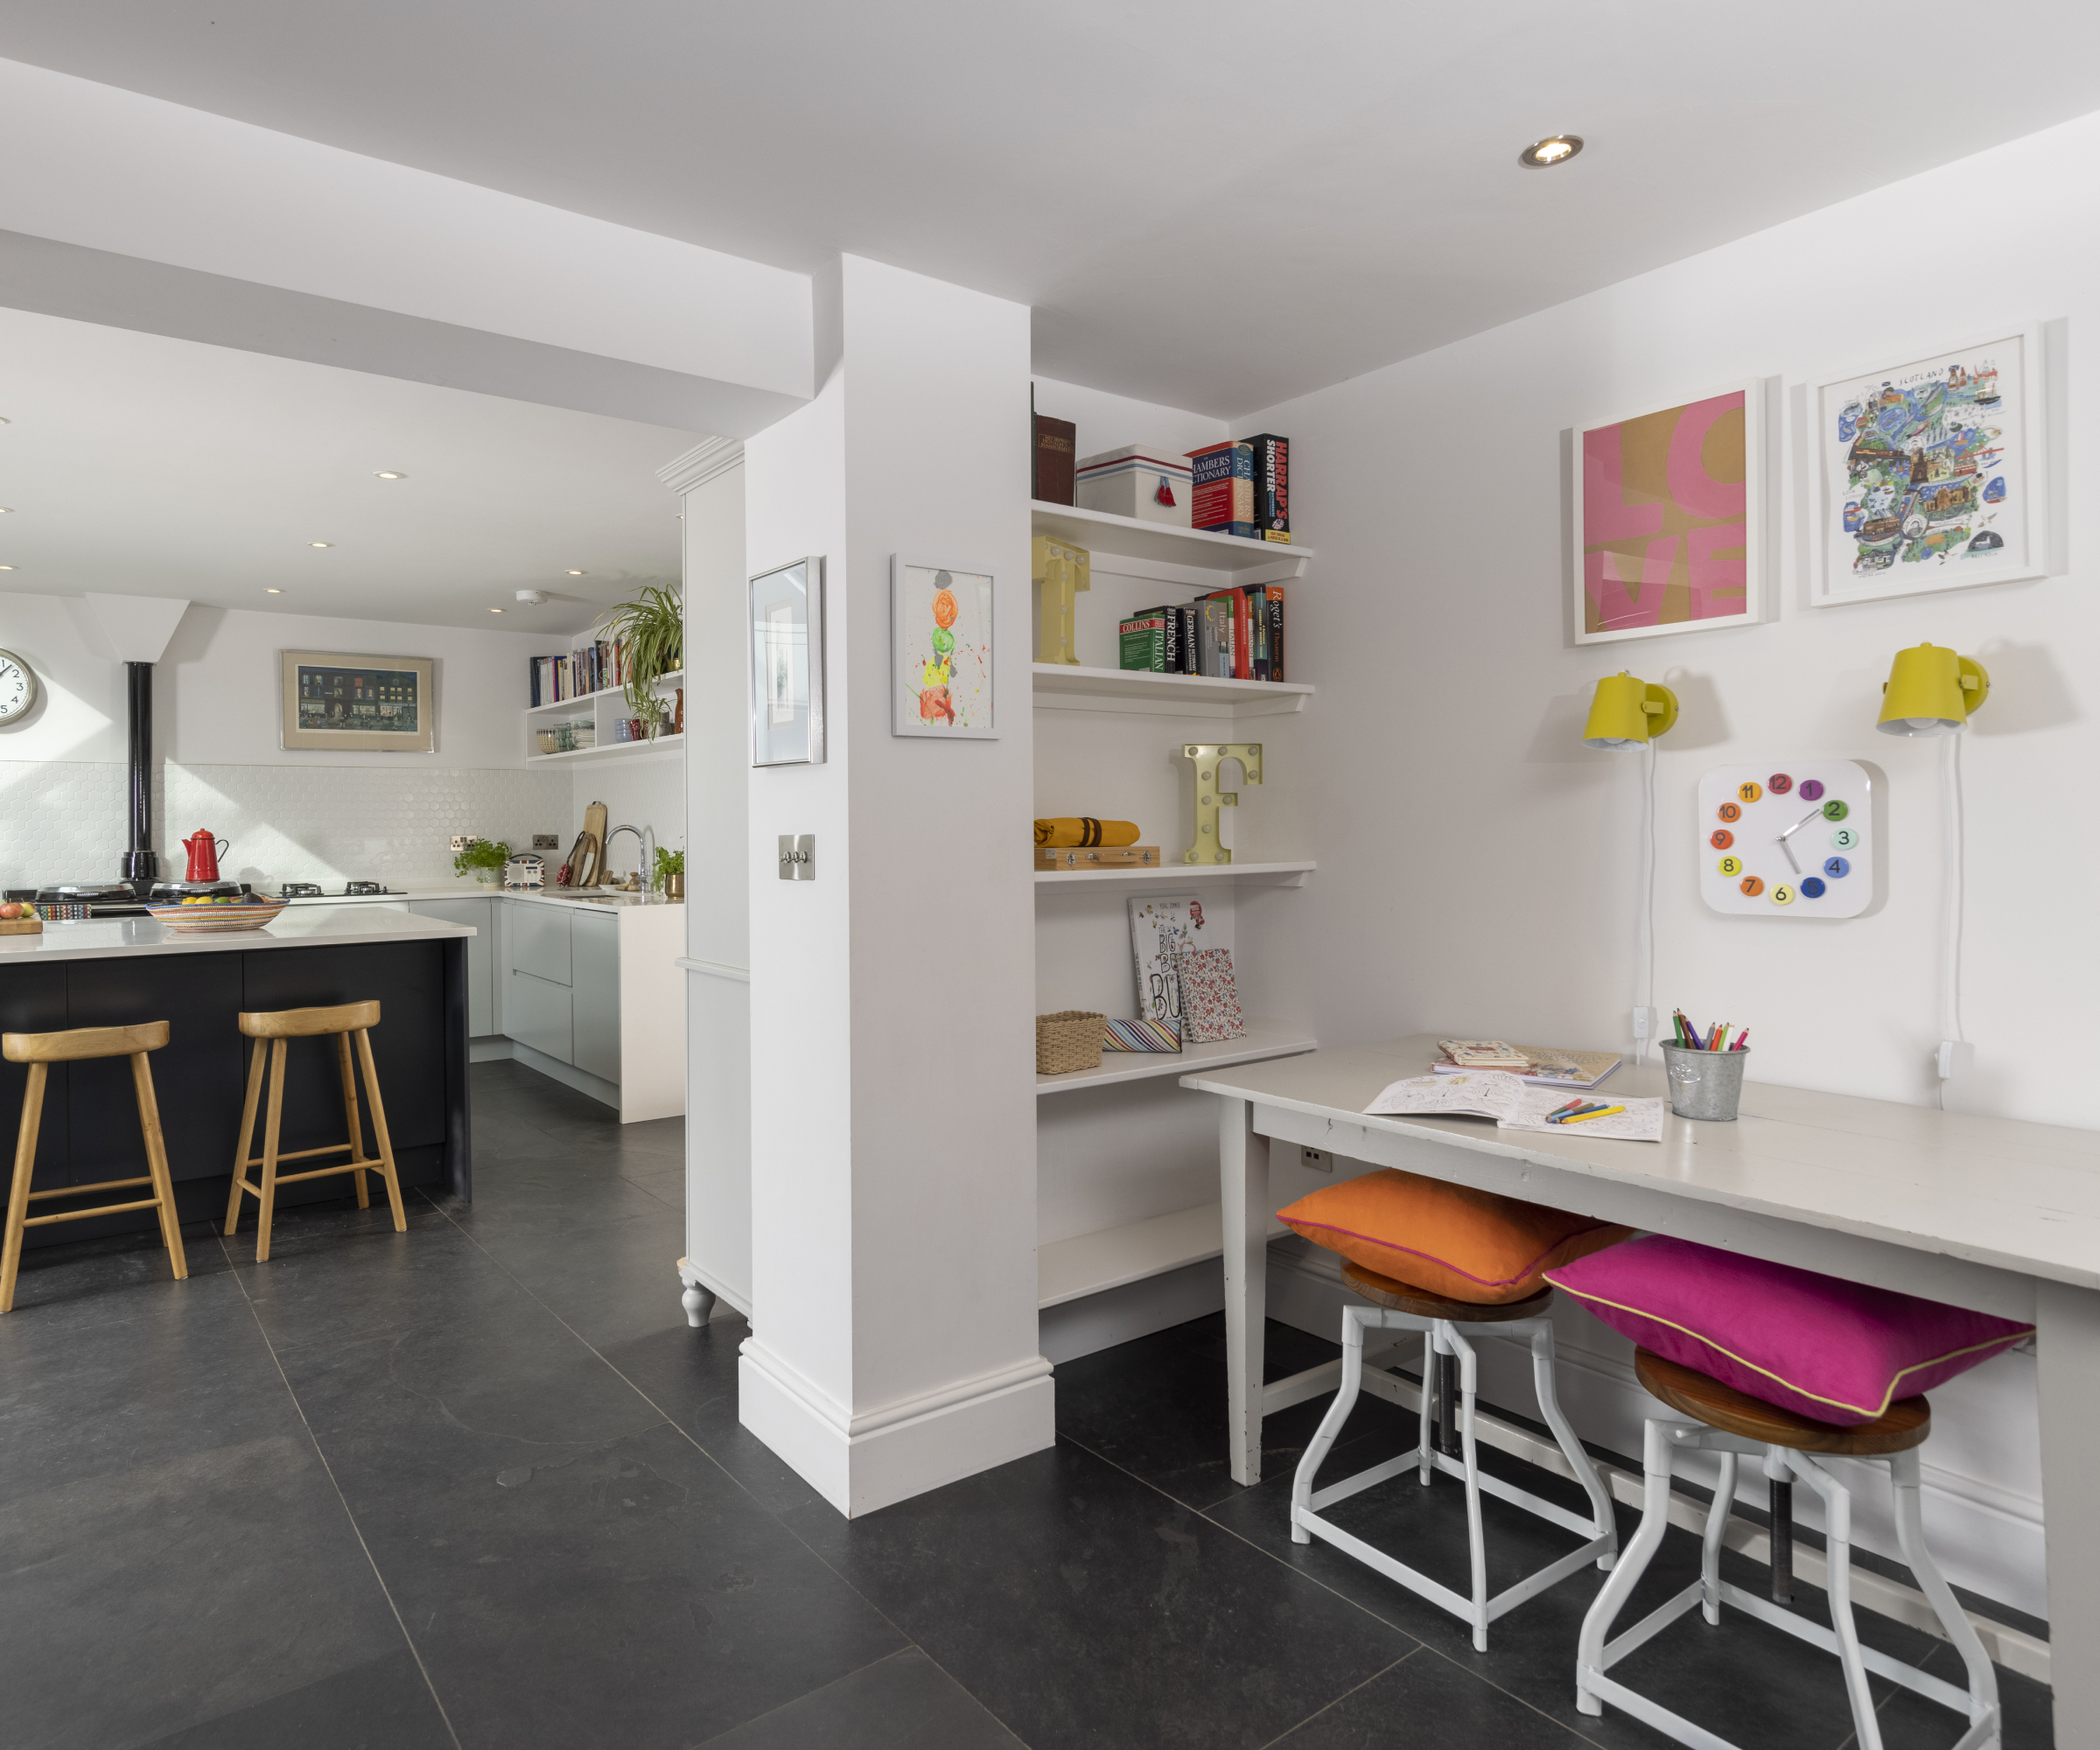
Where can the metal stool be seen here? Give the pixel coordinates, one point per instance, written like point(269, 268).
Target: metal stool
point(270, 1030)
point(1731, 1423)
point(38, 1051)
point(1445, 1326)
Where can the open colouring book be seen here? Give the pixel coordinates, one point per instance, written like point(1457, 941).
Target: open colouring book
point(1512, 1105)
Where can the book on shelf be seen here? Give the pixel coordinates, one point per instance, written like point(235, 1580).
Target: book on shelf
point(1271, 474)
point(1147, 639)
point(1221, 493)
point(588, 669)
point(1055, 458)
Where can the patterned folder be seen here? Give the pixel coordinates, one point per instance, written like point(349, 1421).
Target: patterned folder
point(1138, 1036)
point(1210, 1004)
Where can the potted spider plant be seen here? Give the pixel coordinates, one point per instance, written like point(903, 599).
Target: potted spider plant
point(651, 626)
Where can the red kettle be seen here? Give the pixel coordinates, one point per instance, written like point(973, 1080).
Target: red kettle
point(204, 855)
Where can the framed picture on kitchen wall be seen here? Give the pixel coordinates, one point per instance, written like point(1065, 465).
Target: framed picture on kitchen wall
point(1928, 473)
point(1670, 517)
point(940, 651)
point(788, 665)
point(335, 702)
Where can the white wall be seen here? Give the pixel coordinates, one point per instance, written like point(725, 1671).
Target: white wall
point(289, 816)
point(893, 1121)
point(648, 790)
point(1479, 865)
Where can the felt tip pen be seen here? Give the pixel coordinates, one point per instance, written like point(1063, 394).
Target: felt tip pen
point(1741, 1040)
point(1569, 1107)
point(1581, 1108)
point(1602, 1112)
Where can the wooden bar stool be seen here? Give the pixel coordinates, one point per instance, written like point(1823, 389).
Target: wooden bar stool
point(39, 1051)
point(1446, 1324)
point(1733, 1424)
point(270, 1029)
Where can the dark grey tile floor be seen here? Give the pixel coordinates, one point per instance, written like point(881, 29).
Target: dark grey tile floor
point(479, 1485)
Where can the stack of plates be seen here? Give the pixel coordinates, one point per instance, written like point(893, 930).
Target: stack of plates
point(217, 919)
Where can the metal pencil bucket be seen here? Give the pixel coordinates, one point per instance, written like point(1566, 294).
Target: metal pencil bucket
point(1704, 1084)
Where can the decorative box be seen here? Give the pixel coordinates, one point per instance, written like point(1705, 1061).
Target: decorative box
point(1144, 481)
point(1068, 1040)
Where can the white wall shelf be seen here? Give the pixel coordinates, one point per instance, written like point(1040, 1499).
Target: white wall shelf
point(1067, 1270)
point(612, 750)
point(1263, 1039)
point(1192, 557)
point(1061, 687)
point(1270, 874)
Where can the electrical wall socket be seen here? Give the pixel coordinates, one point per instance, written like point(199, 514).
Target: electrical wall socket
point(545, 841)
point(1319, 1160)
point(461, 840)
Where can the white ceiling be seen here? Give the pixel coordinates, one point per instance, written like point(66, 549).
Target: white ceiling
point(1215, 207)
point(142, 466)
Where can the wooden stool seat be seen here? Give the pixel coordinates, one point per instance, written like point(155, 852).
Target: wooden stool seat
point(1908, 1422)
point(271, 1029)
point(1403, 1297)
point(344, 1018)
point(40, 1052)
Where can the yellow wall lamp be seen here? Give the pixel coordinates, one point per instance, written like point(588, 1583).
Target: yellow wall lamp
point(1627, 712)
point(1930, 691)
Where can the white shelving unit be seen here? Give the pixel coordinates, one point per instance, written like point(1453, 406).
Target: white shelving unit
point(1272, 874)
point(1060, 687)
point(1162, 550)
point(1085, 1132)
point(1263, 1039)
point(601, 710)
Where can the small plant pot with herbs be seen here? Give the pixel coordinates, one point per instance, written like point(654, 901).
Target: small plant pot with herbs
point(669, 877)
point(484, 860)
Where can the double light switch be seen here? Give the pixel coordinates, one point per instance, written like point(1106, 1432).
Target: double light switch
point(798, 856)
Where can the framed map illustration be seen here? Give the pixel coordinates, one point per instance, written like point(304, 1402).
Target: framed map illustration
point(1670, 512)
point(1928, 474)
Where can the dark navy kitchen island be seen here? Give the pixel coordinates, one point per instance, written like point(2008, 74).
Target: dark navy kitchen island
point(118, 972)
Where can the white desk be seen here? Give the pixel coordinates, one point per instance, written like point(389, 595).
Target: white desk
point(1984, 1213)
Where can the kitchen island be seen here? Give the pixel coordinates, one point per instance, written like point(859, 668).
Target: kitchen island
point(117, 971)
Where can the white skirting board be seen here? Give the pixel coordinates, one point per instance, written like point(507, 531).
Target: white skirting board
point(606, 1093)
point(1079, 1327)
point(861, 1463)
point(1978, 1543)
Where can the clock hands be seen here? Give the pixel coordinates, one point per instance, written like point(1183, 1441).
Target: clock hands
point(1813, 814)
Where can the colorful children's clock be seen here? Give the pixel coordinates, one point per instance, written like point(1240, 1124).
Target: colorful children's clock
point(1786, 840)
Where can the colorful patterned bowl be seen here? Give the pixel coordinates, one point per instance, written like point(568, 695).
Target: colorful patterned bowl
point(217, 919)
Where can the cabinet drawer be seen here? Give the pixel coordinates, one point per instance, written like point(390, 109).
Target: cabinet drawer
point(536, 938)
point(536, 1013)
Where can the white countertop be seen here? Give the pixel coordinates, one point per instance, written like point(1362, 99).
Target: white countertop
point(106, 938)
point(475, 890)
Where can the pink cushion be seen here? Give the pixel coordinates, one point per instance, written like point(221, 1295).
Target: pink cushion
point(1837, 1351)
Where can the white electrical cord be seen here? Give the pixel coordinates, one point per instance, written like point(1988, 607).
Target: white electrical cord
point(1648, 896)
point(1950, 920)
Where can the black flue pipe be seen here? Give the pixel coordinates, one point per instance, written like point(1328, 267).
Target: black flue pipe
point(141, 866)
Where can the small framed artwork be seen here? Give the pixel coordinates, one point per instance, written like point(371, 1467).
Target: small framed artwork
point(334, 702)
point(1669, 518)
point(1929, 473)
point(940, 651)
point(788, 665)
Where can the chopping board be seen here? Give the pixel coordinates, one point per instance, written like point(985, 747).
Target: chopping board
point(594, 835)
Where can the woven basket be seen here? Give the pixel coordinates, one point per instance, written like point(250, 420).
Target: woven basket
point(1067, 1040)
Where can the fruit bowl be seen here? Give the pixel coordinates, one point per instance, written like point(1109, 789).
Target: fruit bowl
point(209, 919)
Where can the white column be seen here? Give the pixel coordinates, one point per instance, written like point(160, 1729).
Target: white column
point(709, 480)
point(892, 998)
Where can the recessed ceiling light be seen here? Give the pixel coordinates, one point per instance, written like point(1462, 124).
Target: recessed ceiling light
point(268, 591)
point(7, 510)
point(388, 475)
point(495, 610)
point(321, 544)
point(1555, 149)
point(576, 574)
point(6, 568)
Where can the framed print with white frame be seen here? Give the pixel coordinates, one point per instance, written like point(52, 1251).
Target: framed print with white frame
point(1670, 517)
point(1930, 473)
point(788, 665)
point(942, 646)
point(334, 702)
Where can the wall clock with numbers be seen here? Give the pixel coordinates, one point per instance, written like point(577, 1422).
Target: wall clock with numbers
point(17, 686)
point(1786, 840)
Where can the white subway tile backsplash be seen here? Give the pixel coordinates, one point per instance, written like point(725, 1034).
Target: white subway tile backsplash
point(66, 820)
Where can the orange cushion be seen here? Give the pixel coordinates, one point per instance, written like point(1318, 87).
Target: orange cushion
point(1450, 1239)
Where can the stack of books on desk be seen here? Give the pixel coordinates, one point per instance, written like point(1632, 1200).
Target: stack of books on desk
point(1541, 1065)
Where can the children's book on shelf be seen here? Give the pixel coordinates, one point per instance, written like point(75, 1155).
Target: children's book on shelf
point(1163, 929)
point(1492, 1094)
point(1210, 1002)
point(1541, 1065)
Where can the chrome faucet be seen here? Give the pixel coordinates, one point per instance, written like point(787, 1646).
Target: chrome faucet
point(645, 839)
